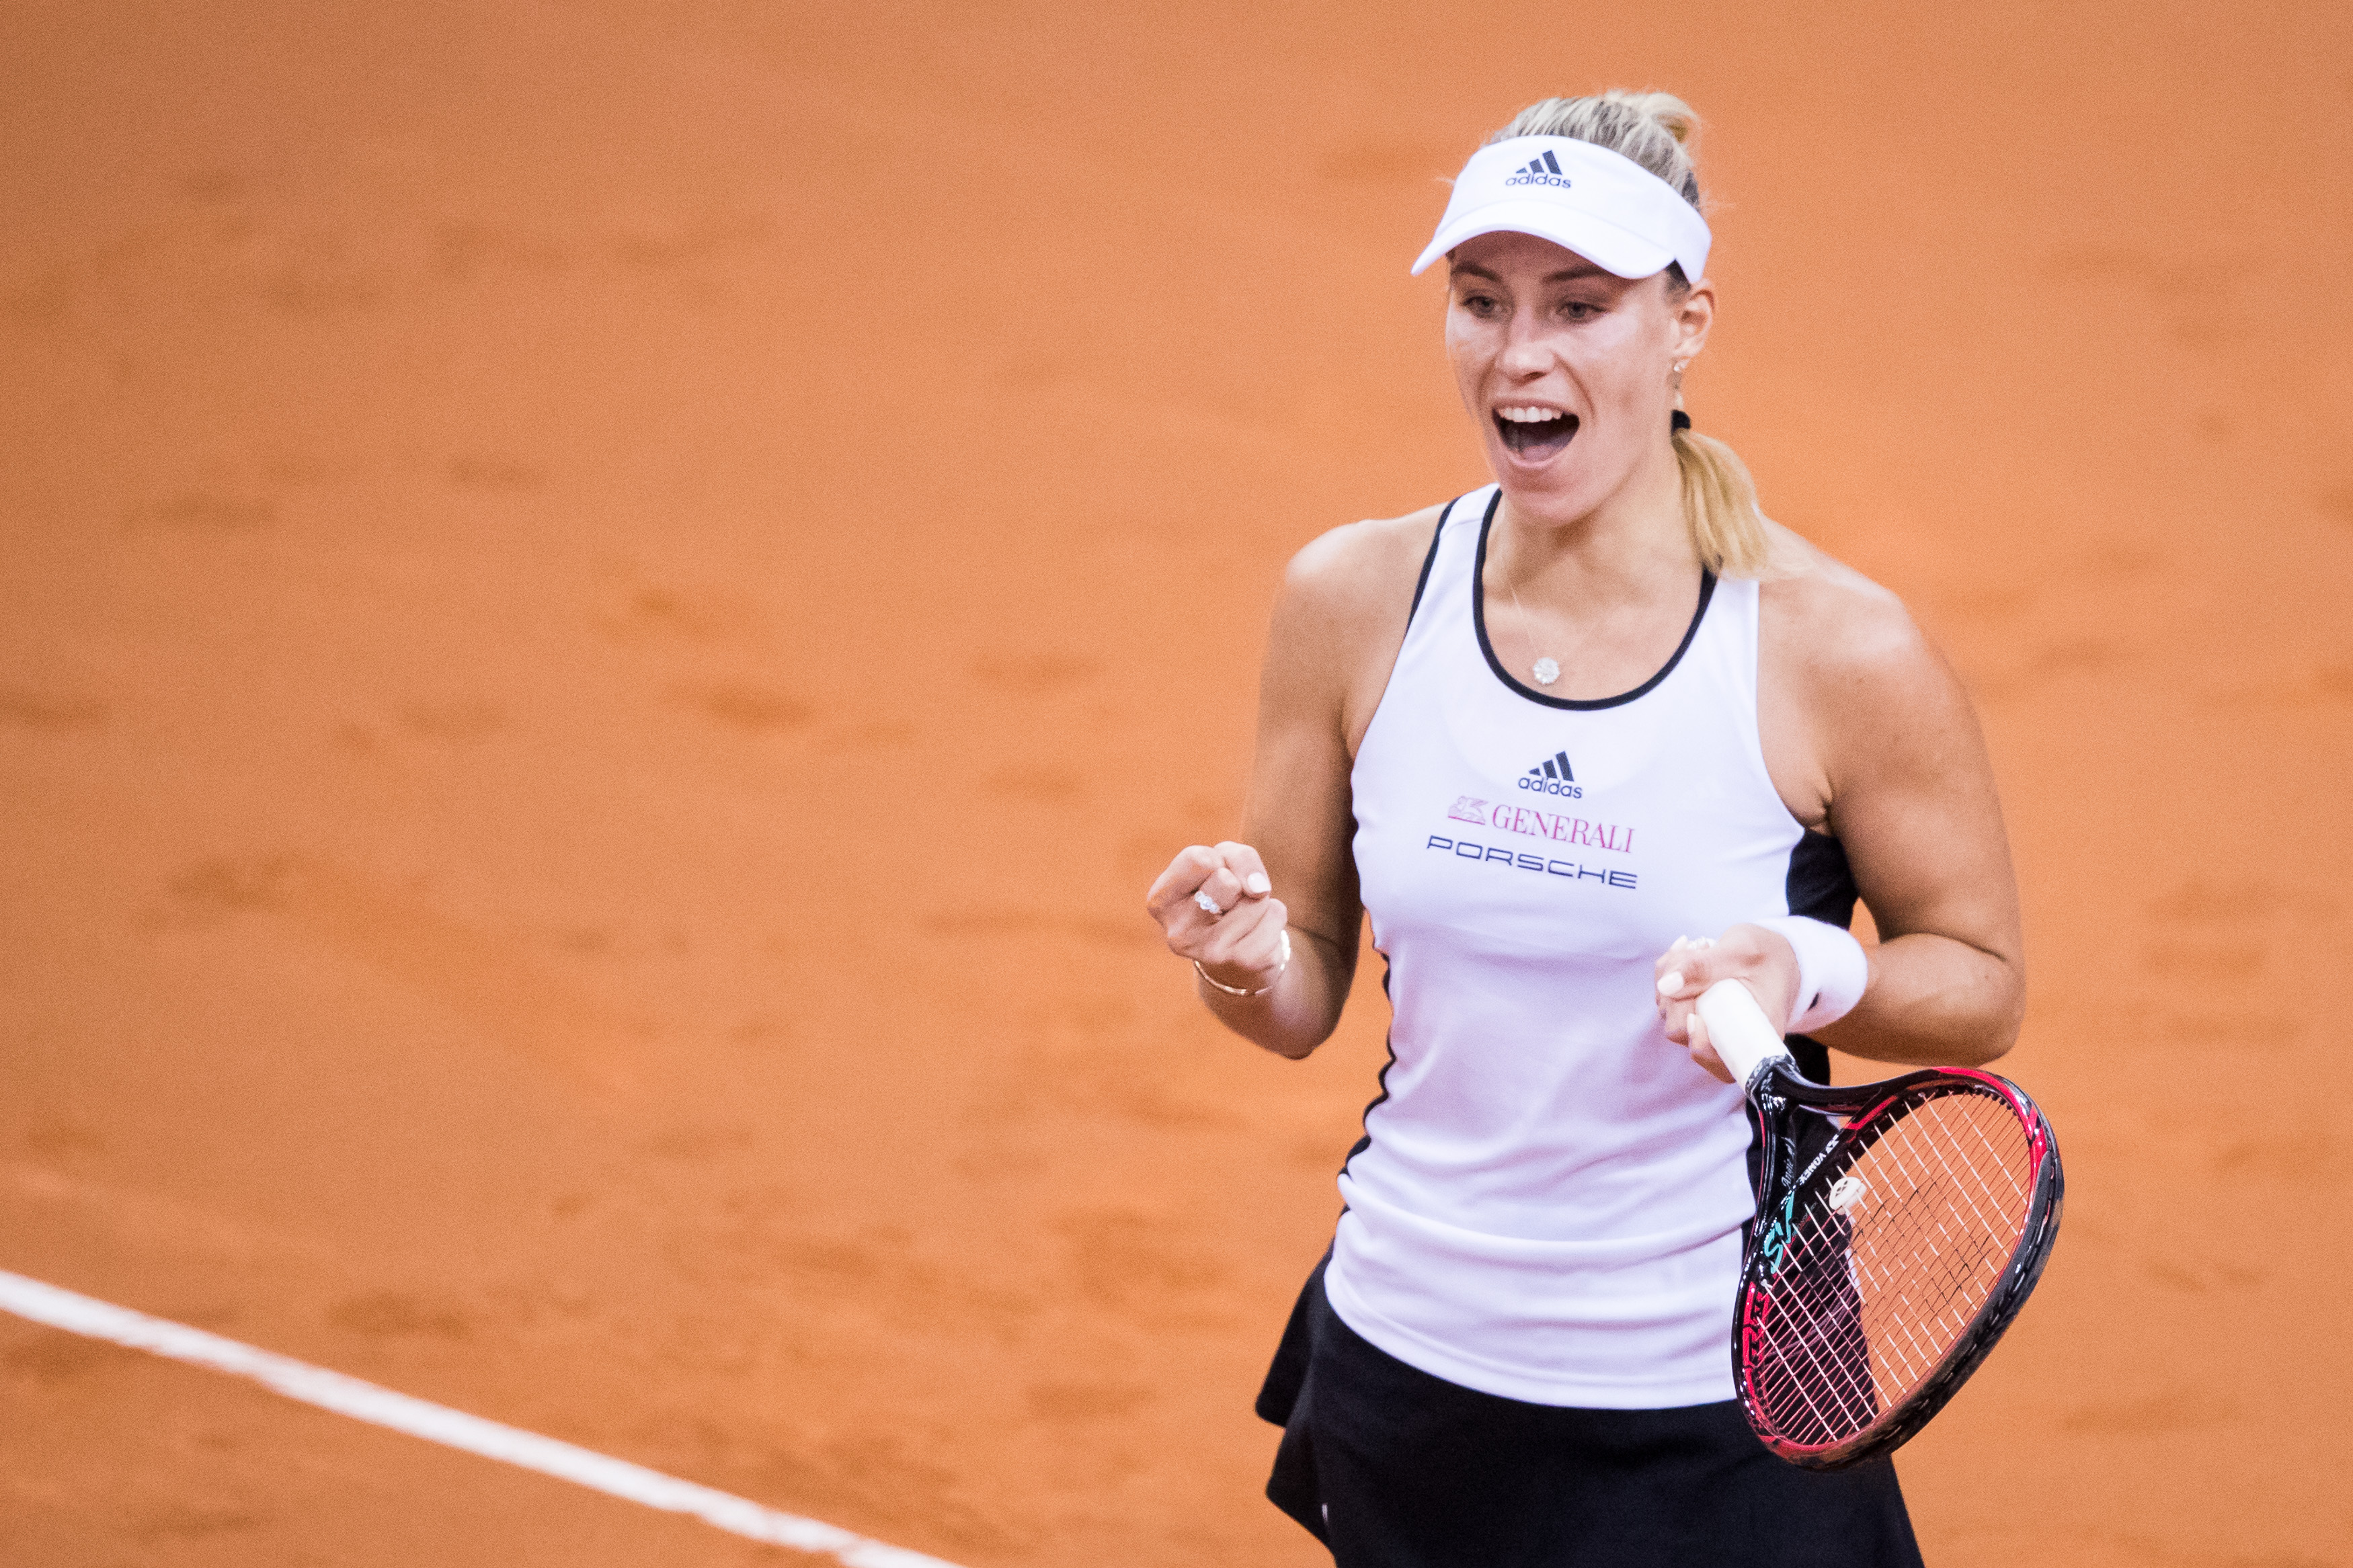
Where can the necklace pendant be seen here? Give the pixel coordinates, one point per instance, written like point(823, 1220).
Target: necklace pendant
point(1546, 671)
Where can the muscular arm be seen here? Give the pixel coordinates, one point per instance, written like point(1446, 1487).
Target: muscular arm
point(1338, 621)
point(1911, 795)
point(1869, 736)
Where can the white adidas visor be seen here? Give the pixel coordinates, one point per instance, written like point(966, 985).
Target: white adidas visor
point(1601, 204)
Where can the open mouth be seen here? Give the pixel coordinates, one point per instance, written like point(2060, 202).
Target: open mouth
point(1535, 434)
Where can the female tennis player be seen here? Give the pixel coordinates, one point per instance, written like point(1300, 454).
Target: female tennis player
point(1583, 742)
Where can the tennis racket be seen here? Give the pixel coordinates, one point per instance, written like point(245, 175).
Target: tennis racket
point(1900, 1226)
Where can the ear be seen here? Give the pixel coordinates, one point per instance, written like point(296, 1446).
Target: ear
point(1695, 314)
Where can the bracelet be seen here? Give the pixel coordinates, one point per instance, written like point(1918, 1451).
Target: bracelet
point(1239, 991)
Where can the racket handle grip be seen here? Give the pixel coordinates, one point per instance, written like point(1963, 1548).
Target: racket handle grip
point(1738, 1029)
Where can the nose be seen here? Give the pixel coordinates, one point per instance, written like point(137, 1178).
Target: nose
point(1525, 355)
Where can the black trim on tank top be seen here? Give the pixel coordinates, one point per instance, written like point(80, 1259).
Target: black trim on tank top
point(1820, 886)
point(1381, 1084)
point(1479, 623)
point(1430, 559)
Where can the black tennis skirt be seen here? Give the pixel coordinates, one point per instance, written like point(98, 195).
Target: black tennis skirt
point(1393, 1468)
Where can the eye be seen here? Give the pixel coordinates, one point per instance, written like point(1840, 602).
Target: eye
point(1480, 305)
point(1579, 309)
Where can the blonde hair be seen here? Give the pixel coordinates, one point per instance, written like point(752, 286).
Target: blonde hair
point(1653, 129)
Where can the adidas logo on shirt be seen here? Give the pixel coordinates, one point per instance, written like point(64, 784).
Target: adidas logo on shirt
point(1552, 776)
point(1544, 171)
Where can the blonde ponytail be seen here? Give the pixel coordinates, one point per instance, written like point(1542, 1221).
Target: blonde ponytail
point(1655, 129)
point(1720, 506)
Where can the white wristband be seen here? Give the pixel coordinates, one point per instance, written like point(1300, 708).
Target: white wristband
point(1832, 970)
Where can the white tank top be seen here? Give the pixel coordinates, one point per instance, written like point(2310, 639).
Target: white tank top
point(1548, 1200)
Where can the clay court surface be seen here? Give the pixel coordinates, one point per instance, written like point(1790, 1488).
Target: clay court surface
point(607, 609)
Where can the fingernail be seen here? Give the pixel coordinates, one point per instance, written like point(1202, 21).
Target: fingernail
point(1681, 942)
point(1671, 982)
point(1257, 883)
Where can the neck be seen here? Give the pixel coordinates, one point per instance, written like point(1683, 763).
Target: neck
point(1632, 547)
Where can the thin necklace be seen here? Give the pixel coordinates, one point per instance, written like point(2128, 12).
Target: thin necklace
point(1546, 669)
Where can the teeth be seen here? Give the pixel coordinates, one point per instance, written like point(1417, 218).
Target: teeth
point(1527, 416)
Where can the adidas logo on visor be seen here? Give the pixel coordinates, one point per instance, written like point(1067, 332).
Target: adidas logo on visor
point(1544, 171)
point(1552, 776)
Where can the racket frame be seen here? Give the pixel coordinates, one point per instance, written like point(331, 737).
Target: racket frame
point(1778, 1095)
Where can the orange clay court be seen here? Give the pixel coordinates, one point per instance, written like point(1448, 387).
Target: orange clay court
point(609, 609)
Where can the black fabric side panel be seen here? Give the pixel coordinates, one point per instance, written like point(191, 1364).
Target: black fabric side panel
point(1812, 1057)
point(1821, 884)
point(1821, 887)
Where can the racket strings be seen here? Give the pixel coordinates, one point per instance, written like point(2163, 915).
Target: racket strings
point(1872, 1292)
point(1813, 1374)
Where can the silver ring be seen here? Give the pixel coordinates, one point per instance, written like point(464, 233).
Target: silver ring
point(1209, 905)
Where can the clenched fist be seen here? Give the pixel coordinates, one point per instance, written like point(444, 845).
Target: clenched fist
point(1217, 907)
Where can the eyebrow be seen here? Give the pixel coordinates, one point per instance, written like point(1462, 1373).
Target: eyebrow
point(1584, 269)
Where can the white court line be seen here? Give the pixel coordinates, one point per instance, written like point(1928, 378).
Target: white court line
point(439, 1424)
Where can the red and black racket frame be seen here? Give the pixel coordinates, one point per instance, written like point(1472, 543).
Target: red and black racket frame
point(1780, 1100)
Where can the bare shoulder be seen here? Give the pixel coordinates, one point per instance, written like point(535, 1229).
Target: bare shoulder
point(1834, 628)
point(1353, 573)
point(1857, 699)
point(1340, 620)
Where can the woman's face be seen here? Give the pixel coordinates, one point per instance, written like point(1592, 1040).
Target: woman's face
point(1570, 369)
